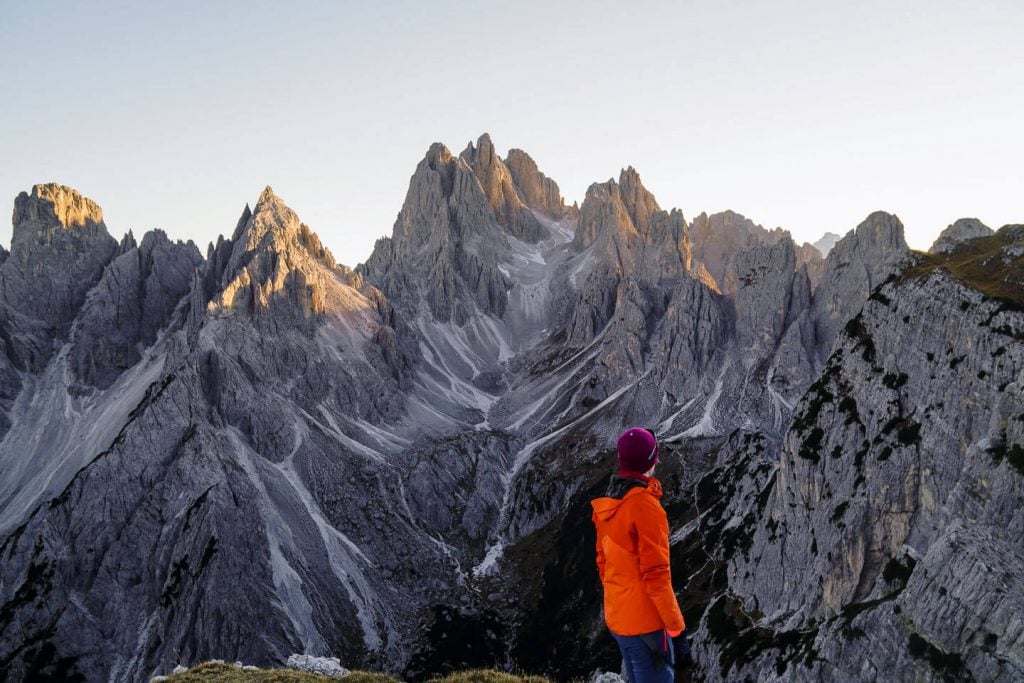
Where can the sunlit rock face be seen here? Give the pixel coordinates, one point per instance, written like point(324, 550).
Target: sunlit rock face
point(262, 452)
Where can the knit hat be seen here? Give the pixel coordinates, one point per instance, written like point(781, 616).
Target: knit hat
point(638, 450)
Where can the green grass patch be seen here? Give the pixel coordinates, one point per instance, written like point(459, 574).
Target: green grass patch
point(213, 672)
point(982, 264)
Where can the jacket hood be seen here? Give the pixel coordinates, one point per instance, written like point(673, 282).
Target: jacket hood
point(606, 507)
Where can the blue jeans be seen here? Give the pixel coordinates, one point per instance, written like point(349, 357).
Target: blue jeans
point(645, 658)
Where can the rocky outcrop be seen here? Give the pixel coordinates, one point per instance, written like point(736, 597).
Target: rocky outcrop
point(856, 265)
point(445, 247)
point(717, 238)
point(809, 256)
point(764, 294)
point(535, 188)
point(59, 249)
point(960, 231)
point(131, 303)
point(894, 500)
point(497, 183)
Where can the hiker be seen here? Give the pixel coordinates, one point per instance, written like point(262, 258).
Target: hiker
point(640, 608)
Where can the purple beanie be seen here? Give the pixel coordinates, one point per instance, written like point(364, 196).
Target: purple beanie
point(638, 450)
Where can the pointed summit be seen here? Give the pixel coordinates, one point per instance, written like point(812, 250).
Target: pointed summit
point(447, 243)
point(502, 195)
point(273, 226)
point(274, 259)
point(625, 208)
point(639, 202)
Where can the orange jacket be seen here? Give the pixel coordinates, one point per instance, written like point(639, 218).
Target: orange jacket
point(633, 561)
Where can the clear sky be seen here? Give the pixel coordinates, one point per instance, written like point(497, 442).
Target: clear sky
point(805, 115)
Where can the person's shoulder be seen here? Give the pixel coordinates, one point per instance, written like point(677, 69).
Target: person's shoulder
point(648, 505)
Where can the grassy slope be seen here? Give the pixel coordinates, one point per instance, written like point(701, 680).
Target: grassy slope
point(225, 673)
point(983, 264)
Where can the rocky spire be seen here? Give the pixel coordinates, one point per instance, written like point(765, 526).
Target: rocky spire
point(446, 243)
point(962, 230)
point(59, 248)
point(536, 189)
point(603, 215)
point(855, 266)
point(639, 202)
point(630, 229)
point(274, 256)
point(496, 181)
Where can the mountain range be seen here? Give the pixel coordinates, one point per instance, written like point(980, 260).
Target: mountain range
point(258, 451)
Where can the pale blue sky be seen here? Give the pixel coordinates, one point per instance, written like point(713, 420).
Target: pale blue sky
point(805, 115)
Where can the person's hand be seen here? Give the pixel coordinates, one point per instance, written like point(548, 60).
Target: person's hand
point(684, 655)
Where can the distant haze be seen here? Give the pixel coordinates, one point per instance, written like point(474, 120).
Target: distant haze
point(802, 115)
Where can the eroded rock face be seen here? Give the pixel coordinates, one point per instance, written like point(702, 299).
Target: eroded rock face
point(719, 237)
point(445, 247)
point(131, 303)
point(59, 248)
point(894, 478)
point(856, 265)
point(960, 231)
point(502, 194)
point(535, 188)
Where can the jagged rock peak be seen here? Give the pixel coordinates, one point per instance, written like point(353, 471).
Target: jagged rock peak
point(603, 213)
point(273, 225)
point(624, 207)
point(127, 244)
point(446, 244)
point(639, 202)
point(718, 238)
point(536, 189)
point(962, 230)
point(503, 197)
point(52, 202)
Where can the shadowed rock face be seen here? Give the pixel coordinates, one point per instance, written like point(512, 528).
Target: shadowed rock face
point(855, 266)
point(59, 248)
point(132, 302)
point(264, 452)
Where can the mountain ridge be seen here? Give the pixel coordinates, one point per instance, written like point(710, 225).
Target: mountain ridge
point(398, 457)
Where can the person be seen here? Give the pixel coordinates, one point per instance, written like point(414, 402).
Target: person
point(640, 607)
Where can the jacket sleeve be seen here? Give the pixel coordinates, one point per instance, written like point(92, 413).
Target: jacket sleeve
point(600, 550)
point(652, 546)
